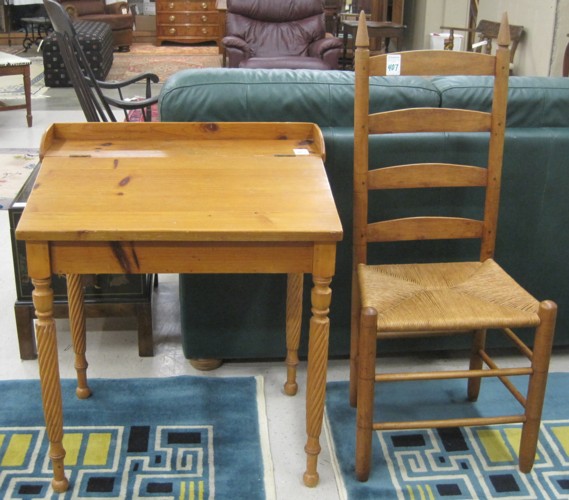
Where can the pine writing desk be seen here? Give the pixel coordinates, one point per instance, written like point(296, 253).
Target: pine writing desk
point(229, 198)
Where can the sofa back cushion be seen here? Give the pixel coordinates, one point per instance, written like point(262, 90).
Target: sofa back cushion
point(532, 101)
point(87, 7)
point(322, 97)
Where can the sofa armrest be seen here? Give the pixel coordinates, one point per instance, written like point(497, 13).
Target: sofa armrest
point(117, 8)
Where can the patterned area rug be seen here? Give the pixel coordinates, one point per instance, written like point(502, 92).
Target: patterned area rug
point(177, 438)
point(456, 463)
point(16, 165)
point(163, 62)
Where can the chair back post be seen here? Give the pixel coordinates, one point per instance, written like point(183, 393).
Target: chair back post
point(496, 147)
point(361, 131)
point(84, 82)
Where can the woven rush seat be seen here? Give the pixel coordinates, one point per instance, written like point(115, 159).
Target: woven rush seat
point(96, 40)
point(444, 296)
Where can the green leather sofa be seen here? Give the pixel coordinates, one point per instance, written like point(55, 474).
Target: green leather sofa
point(241, 317)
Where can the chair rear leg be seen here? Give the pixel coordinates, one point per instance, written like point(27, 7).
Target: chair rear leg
point(366, 384)
point(478, 343)
point(354, 341)
point(537, 383)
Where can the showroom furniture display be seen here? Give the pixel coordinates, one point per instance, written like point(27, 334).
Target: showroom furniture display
point(96, 42)
point(220, 185)
point(13, 65)
point(531, 213)
point(268, 34)
point(433, 298)
point(193, 21)
point(117, 15)
point(36, 29)
point(105, 295)
point(487, 34)
point(96, 105)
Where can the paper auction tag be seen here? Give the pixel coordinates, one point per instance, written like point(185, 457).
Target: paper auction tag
point(393, 64)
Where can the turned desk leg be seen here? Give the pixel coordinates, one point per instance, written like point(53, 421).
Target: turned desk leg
point(49, 378)
point(293, 327)
point(75, 296)
point(316, 376)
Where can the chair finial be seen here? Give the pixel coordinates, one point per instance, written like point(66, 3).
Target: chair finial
point(362, 37)
point(504, 33)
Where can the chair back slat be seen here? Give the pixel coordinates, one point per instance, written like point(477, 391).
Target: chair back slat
point(423, 175)
point(437, 174)
point(424, 228)
point(439, 120)
point(421, 63)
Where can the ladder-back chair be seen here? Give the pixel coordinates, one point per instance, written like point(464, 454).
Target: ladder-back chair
point(95, 104)
point(411, 301)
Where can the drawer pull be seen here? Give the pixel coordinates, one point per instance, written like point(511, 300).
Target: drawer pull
point(171, 5)
point(172, 19)
point(204, 19)
point(204, 5)
point(204, 31)
point(172, 31)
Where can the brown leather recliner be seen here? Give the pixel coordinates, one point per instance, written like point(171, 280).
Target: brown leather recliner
point(279, 34)
point(117, 15)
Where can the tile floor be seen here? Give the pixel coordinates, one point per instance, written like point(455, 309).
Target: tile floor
point(112, 343)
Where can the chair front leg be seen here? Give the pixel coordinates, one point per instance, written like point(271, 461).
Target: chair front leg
point(538, 380)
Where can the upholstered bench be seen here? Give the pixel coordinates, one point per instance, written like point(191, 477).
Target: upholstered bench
point(96, 40)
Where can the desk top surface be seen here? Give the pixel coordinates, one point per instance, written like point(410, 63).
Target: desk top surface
point(181, 182)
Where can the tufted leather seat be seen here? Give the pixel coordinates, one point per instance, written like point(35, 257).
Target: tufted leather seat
point(286, 35)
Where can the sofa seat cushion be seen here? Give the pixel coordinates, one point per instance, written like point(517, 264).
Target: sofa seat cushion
point(301, 62)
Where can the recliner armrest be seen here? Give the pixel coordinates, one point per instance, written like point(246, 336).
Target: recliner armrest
point(320, 47)
point(235, 42)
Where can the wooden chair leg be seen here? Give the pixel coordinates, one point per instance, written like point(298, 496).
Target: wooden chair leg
point(537, 383)
point(478, 343)
point(355, 325)
point(366, 385)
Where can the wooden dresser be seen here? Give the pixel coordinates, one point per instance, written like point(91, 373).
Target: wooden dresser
point(188, 21)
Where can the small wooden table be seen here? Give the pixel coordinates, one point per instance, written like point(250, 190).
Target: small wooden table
point(14, 65)
point(227, 198)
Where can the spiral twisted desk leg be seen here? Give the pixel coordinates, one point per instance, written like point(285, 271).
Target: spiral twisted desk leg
point(293, 326)
point(49, 377)
point(75, 296)
point(316, 382)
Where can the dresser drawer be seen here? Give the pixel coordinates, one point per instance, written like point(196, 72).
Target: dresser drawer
point(197, 19)
point(193, 31)
point(185, 6)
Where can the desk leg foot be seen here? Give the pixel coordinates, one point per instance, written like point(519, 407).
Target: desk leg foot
point(49, 377)
point(59, 483)
point(316, 377)
point(293, 323)
point(75, 297)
